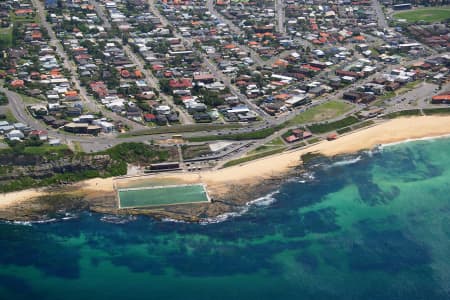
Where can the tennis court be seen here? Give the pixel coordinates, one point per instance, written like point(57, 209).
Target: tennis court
point(162, 195)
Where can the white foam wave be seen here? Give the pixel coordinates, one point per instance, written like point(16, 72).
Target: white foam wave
point(45, 221)
point(431, 138)
point(172, 220)
point(265, 200)
point(261, 201)
point(223, 217)
point(346, 162)
point(117, 219)
point(22, 223)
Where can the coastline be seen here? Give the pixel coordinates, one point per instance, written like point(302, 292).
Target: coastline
point(239, 184)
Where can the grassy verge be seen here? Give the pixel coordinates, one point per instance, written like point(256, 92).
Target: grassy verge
point(180, 129)
point(344, 130)
point(325, 111)
point(6, 38)
point(60, 150)
point(403, 113)
point(313, 140)
point(255, 135)
point(251, 157)
point(407, 87)
point(30, 100)
point(363, 124)
point(326, 127)
point(3, 99)
point(276, 143)
point(298, 145)
point(191, 151)
point(437, 111)
point(8, 116)
point(384, 97)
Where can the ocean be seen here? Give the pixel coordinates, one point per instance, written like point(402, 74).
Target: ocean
point(375, 225)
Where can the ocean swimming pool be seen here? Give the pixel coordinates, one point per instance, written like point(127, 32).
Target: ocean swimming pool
point(162, 195)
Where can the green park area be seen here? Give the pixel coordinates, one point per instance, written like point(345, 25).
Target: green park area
point(326, 111)
point(430, 15)
point(5, 38)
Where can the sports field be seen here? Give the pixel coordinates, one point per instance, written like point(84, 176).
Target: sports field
point(162, 195)
point(426, 14)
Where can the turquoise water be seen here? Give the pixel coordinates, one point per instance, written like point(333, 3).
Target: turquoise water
point(373, 226)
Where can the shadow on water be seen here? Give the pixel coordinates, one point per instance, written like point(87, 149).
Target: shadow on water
point(29, 246)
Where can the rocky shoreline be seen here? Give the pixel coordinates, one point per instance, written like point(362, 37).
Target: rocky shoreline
point(230, 188)
point(68, 200)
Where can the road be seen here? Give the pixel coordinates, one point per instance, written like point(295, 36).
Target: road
point(381, 18)
point(101, 13)
point(281, 16)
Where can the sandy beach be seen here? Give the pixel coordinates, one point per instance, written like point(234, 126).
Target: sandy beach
point(220, 181)
point(396, 130)
point(9, 199)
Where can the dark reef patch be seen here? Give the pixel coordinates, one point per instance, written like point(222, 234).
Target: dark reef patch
point(389, 251)
point(27, 246)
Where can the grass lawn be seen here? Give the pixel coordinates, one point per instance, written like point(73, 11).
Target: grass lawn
point(46, 149)
point(253, 135)
point(322, 112)
point(5, 37)
point(274, 144)
point(408, 87)
point(31, 100)
point(192, 151)
point(426, 14)
point(9, 116)
point(313, 140)
point(327, 127)
point(179, 129)
point(252, 157)
point(403, 113)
